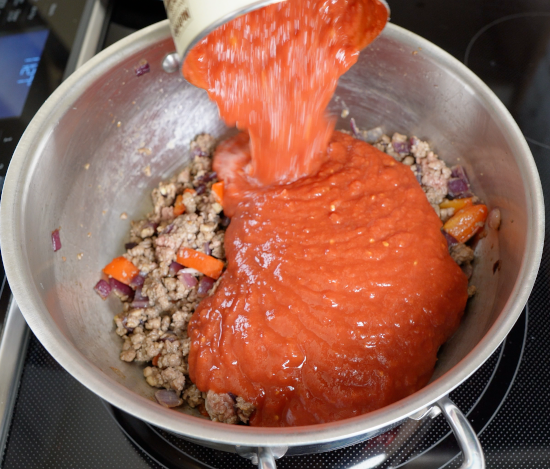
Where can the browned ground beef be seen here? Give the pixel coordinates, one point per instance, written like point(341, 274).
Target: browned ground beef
point(155, 334)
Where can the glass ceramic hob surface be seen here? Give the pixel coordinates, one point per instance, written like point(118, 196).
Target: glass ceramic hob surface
point(58, 423)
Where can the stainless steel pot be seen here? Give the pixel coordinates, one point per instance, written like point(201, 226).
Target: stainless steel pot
point(192, 20)
point(81, 164)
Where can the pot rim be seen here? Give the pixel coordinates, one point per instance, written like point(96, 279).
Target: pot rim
point(16, 188)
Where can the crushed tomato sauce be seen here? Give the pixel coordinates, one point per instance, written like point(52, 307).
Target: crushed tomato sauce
point(339, 288)
point(274, 71)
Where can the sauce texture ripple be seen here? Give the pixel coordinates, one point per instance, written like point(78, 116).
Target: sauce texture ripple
point(338, 293)
point(339, 289)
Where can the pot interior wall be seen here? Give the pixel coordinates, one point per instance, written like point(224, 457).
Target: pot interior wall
point(124, 123)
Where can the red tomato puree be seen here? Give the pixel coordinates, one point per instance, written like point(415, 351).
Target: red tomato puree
point(339, 288)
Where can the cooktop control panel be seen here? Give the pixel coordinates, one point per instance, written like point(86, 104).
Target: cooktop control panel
point(40, 42)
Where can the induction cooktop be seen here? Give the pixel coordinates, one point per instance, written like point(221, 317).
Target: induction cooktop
point(57, 423)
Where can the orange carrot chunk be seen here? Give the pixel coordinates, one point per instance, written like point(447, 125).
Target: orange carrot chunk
point(217, 189)
point(122, 270)
point(466, 222)
point(207, 265)
point(457, 204)
point(189, 191)
point(155, 360)
point(179, 208)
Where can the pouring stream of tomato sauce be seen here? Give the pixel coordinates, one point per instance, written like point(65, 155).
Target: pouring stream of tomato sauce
point(339, 289)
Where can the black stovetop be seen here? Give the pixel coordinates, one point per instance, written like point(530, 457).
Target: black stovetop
point(57, 423)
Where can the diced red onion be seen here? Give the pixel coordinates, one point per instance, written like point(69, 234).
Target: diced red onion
point(418, 173)
point(169, 336)
point(401, 147)
point(129, 246)
point(198, 152)
point(56, 240)
point(354, 128)
point(167, 398)
point(459, 185)
point(103, 289)
point(493, 220)
point(152, 225)
point(188, 279)
point(137, 281)
point(459, 172)
point(125, 322)
point(139, 295)
point(168, 229)
point(207, 249)
point(451, 240)
point(142, 68)
point(140, 301)
point(458, 188)
point(175, 268)
point(210, 176)
point(225, 221)
point(121, 289)
point(232, 396)
point(205, 285)
point(201, 189)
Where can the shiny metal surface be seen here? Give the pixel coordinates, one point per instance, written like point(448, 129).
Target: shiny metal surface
point(103, 114)
point(171, 63)
point(262, 457)
point(266, 460)
point(193, 20)
point(14, 337)
point(467, 439)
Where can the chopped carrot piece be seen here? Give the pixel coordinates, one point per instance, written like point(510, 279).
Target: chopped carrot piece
point(189, 191)
point(217, 189)
point(457, 204)
point(179, 208)
point(202, 410)
point(122, 270)
point(466, 222)
point(208, 265)
point(155, 360)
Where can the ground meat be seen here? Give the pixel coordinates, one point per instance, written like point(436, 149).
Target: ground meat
point(244, 409)
point(193, 396)
point(432, 172)
point(461, 253)
point(143, 256)
point(203, 143)
point(221, 407)
point(169, 378)
point(433, 176)
point(157, 333)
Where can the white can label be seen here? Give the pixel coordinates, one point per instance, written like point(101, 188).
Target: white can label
point(191, 20)
point(179, 15)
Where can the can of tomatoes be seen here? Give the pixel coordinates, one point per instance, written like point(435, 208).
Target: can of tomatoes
point(192, 20)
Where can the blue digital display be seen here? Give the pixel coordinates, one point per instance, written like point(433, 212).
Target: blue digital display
point(19, 58)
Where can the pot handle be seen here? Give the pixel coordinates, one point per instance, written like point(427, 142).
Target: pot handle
point(266, 460)
point(263, 457)
point(464, 433)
